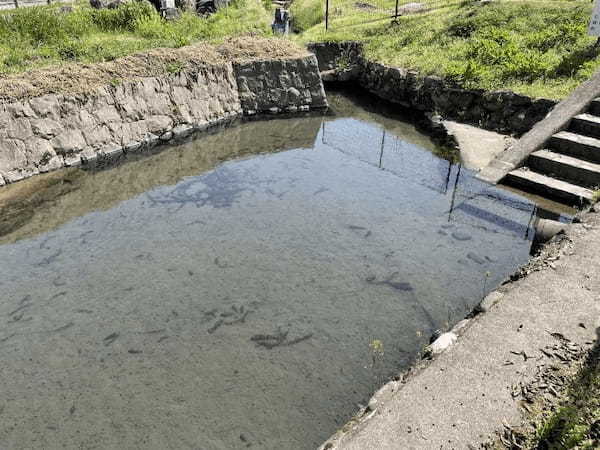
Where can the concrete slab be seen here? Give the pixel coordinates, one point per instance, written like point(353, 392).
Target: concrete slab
point(576, 145)
point(586, 124)
point(550, 187)
point(477, 146)
point(466, 394)
point(574, 170)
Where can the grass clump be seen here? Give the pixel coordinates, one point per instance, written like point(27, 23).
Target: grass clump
point(536, 48)
point(175, 67)
point(42, 36)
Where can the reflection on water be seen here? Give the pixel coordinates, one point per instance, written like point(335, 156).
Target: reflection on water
point(172, 302)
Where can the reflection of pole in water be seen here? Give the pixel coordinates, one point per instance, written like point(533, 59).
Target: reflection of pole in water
point(448, 177)
point(454, 192)
point(531, 219)
point(323, 132)
point(382, 145)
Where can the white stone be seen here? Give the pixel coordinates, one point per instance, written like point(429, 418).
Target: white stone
point(442, 343)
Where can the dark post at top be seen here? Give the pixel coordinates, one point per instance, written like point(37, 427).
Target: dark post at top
point(326, 15)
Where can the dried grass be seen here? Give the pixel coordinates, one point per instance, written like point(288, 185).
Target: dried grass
point(82, 78)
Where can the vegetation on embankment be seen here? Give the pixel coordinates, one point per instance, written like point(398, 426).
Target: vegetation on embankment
point(80, 78)
point(35, 37)
point(576, 423)
point(538, 48)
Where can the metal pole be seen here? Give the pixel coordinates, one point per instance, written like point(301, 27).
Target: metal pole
point(326, 15)
point(396, 13)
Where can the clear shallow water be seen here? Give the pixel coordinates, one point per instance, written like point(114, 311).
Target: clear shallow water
point(175, 302)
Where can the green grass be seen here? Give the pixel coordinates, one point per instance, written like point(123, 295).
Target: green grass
point(307, 13)
point(43, 36)
point(540, 48)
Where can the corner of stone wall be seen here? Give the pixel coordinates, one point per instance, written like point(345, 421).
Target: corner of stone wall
point(331, 54)
point(275, 86)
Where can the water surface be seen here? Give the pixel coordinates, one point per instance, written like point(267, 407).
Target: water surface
point(175, 301)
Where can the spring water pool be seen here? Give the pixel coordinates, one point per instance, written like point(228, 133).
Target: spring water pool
point(226, 292)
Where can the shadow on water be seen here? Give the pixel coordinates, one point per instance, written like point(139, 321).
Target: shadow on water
point(183, 300)
point(44, 202)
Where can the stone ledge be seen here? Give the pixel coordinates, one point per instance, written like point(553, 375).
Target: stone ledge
point(52, 131)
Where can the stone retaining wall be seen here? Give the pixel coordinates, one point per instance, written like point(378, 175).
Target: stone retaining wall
point(501, 111)
point(329, 54)
point(61, 130)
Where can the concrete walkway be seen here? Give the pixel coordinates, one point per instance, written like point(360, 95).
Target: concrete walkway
point(465, 395)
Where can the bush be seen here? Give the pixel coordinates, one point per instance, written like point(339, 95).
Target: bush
point(71, 49)
point(123, 18)
point(306, 14)
point(36, 26)
point(152, 27)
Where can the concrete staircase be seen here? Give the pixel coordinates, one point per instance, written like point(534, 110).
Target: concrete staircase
point(568, 167)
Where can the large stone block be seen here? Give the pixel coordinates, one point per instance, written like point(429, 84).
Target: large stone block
point(41, 154)
point(19, 128)
point(14, 155)
point(47, 106)
point(68, 142)
point(97, 136)
point(46, 128)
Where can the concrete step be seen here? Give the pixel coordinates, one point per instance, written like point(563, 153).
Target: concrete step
point(576, 171)
point(577, 145)
point(594, 107)
point(549, 187)
point(586, 124)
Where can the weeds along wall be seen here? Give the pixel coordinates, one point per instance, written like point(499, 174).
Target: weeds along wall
point(63, 130)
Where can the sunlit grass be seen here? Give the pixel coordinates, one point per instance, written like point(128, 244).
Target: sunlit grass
point(537, 48)
point(44, 36)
